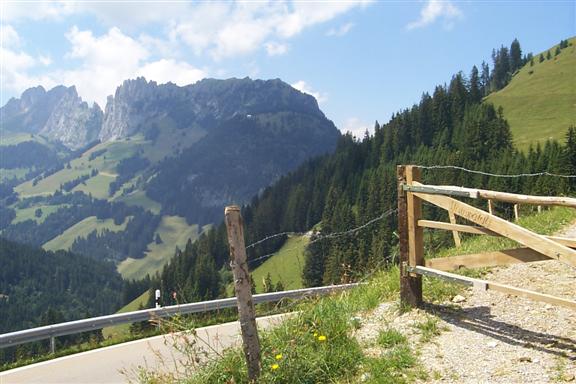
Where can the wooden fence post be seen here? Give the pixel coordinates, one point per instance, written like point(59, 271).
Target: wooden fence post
point(490, 207)
point(246, 313)
point(411, 237)
point(516, 212)
point(455, 234)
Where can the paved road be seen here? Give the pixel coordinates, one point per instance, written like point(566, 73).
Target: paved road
point(106, 365)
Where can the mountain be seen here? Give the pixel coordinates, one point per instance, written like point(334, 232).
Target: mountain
point(540, 100)
point(157, 165)
point(59, 115)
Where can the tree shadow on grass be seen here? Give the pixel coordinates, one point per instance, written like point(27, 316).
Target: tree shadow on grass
point(480, 320)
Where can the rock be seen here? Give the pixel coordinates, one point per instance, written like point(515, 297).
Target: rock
point(364, 377)
point(569, 377)
point(458, 299)
point(492, 344)
point(525, 359)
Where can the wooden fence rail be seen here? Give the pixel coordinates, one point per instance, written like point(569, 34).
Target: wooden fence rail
point(534, 247)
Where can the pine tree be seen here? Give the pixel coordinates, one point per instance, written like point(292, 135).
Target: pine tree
point(515, 56)
point(548, 55)
point(475, 86)
point(541, 58)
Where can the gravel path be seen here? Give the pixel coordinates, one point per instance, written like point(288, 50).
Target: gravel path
point(490, 337)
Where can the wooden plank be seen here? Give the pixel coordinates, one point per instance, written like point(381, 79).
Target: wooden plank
point(493, 195)
point(486, 259)
point(415, 232)
point(484, 284)
point(455, 234)
point(410, 285)
point(456, 227)
point(515, 232)
point(490, 206)
point(571, 243)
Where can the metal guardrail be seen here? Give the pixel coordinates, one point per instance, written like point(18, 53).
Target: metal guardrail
point(84, 325)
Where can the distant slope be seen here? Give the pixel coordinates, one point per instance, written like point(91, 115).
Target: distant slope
point(34, 282)
point(285, 266)
point(540, 101)
point(123, 330)
point(173, 232)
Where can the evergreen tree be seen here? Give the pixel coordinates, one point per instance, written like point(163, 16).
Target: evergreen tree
point(541, 58)
point(515, 56)
point(475, 87)
point(548, 55)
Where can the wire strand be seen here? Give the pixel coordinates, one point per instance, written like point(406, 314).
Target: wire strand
point(495, 174)
point(328, 236)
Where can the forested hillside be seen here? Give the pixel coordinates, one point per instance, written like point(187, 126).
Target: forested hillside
point(39, 287)
point(358, 183)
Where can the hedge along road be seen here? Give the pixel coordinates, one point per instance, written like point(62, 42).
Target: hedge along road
point(120, 363)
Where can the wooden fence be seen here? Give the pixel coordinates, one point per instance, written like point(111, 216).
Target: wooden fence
point(534, 247)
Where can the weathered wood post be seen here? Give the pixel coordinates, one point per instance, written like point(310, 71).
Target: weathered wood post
point(246, 313)
point(490, 206)
point(455, 234)
point(516, 212)
point(411, 237)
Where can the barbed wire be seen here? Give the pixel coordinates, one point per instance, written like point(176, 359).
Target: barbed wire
point(328, 236)
point(274, 236)
point(545, 173)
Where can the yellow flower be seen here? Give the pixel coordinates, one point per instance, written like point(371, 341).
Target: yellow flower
point(275, 367)
point(279, 356)
point(321, 338)
point(315, 334)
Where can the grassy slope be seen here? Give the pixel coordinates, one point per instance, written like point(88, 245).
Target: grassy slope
point(124, 329)
point(30, 213)
point(82, 229)
point(174, 231)
point(285, 266)
point(540, 101)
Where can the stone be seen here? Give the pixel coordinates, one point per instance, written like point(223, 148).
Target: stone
point(458, 299)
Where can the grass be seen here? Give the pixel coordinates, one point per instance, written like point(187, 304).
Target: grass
point(97, 186)
point(389, 338)
point(174, 232)
point(428, 329)
point(30, 213)
point(82, 229)
point(139, 198)
point(285, 266)
point(539, 102)
point(123, 330)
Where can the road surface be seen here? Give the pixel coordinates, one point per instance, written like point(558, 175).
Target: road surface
point(119, 363)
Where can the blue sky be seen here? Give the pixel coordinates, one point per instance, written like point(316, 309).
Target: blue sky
point(362, 60)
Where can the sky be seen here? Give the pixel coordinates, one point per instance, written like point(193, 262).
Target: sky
point(362, 60)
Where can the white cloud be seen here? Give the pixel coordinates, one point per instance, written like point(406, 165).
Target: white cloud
point(16, 64)
point(104, 63)
point(356, 127)
point(8, 36)
point(275, 49)
point(340, 31)
point(302, 86)
point(178, 72)
point(231, 29)
point(45, 60)
point(434, 10)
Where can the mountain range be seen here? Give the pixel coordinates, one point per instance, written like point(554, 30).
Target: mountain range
point(177, 153)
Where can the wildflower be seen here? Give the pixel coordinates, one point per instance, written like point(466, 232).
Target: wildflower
point(275, 367)
point(279, 356)
point(315, 334)
point(321, 338)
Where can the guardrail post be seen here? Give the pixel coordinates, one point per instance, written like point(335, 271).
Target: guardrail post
point(52, 345)
point(246, 313)
point(411, 237)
